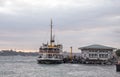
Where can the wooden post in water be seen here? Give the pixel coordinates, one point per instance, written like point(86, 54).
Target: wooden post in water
point(71, 57)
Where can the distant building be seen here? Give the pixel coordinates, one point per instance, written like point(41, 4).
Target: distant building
point(96, 54)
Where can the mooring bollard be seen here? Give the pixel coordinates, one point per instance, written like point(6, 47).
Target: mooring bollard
point(118, 67)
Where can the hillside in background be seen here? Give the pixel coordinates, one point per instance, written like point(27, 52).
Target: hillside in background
point(13, 53)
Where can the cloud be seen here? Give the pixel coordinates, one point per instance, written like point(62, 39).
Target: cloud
point(25, 23)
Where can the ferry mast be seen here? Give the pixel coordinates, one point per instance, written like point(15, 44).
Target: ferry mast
point(51, 37)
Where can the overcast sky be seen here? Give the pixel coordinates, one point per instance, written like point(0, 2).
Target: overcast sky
point(24, 24)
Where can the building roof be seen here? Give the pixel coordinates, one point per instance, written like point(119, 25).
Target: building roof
point(96, 46)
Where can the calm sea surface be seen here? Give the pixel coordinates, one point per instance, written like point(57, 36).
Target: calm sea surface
point(19, 66)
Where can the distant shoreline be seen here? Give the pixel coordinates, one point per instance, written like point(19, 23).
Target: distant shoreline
point(14, 53)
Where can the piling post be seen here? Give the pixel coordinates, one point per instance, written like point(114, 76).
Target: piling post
point(71, 56)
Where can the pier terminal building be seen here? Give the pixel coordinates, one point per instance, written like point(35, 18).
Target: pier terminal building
point(97, 54)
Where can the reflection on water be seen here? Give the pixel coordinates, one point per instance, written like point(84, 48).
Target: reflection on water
point(19, 66)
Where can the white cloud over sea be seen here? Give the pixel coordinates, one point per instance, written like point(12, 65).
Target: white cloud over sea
point(24, 24)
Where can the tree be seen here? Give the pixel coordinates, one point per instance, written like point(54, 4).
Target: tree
point(118, 52)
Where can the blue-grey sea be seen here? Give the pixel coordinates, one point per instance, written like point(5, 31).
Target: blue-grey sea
point(26, 66)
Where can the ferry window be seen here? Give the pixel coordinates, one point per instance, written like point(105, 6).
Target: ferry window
point(49, 55)
point(95, 55)
point(57, 49)
point(50, 48)
point(45, 49)
point(89, 55)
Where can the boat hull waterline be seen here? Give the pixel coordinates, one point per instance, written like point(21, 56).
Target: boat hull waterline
point(49, 61)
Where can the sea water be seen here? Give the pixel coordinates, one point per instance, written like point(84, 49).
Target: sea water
point(26, 66)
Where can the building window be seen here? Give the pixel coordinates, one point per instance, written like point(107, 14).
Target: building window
point(103, 55)
point(90, 55)
point(106, 55)
point(93, 55)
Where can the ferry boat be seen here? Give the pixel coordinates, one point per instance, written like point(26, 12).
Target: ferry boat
point(50, 53)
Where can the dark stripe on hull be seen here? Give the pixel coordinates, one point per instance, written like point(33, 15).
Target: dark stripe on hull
point(49, 61)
